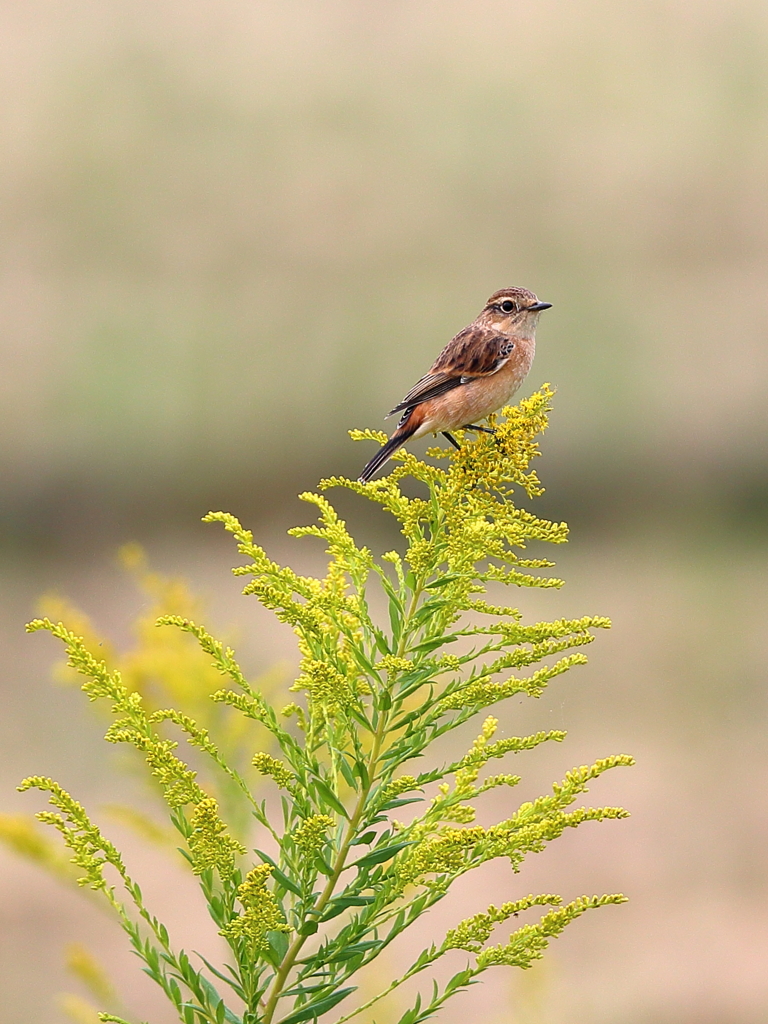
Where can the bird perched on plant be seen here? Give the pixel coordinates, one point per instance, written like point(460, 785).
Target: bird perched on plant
point(475, 374)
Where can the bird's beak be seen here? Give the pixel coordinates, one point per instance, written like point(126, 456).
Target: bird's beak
point(537, 308)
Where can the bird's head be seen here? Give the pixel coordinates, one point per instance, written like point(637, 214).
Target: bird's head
point(514, 311)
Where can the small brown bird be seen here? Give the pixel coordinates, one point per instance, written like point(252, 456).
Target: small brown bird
point(475, 374)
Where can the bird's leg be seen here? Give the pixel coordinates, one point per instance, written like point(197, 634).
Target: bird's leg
point(474, 426)
point(453, 440)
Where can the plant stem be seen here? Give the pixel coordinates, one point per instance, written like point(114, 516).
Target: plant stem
point(341, 857)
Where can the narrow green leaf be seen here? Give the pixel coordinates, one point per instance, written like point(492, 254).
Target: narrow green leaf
point(410, 1015)
point(233, 984)
point(346, 771)
point(443, 581)
point(316, 1008)
point(458, 981)
point(361, 770)
point(364, 839)
point(327, 793)
point(381, 642)
point(278, 942)
point(431, 645)
point(323, 866)
point(381, 854)
point(175, 992)
point(278, 875)
point(395, 619)
point(283, 880)
point(390, 805)
point(338, 906)
point(349, 952)
point(405, 719)
point(304, 990)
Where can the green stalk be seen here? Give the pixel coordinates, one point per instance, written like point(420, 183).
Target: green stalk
point(341, 857)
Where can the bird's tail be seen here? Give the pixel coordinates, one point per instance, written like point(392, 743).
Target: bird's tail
point(397, 440)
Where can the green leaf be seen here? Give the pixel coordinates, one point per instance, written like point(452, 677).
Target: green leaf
point(175, 992)
point(405, 719)
point(360, 657)
point(390, 806)
point(304, 990)
point(430, 645)
point(323, 866)
point(381, 642)
point(278, 875)
point(381, 854)
point(213, 996)
point(233, 984)
point(428, 609)
point(282, 879)
point(278, 942)
point(395, 619)
point(347, 772)
point(364, 839)
point(458, 981)
point(410, 1015)
point(327, 793)
point(349, 952)
point(316, 1008)
point(444, 581)
point(338, 906)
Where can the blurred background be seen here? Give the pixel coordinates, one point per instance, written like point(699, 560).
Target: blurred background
point(232, 231)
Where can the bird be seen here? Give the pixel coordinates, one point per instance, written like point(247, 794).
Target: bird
point(477, 373)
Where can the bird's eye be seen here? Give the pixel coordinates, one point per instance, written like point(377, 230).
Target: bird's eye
point(507, 306)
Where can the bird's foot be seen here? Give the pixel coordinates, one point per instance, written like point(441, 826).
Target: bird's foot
point(474, 426)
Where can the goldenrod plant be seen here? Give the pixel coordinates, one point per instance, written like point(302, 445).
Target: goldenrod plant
point(327, 878)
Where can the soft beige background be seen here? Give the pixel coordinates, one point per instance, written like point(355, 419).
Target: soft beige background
point(232, 231)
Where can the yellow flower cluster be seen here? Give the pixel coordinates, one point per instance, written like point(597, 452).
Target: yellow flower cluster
point(90, 849)
point(393, 665)
point(329, 689)
point(438, 854)
point(529, 942)
point(482, 751)
point(310, 835)
point(261, 912)
point(440, 850)
point(265, 764)
point(209, 843)
point(483, 691)
point(474, 932)
point(402, 785)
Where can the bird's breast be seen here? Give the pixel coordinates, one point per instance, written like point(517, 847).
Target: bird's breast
point(478, 398)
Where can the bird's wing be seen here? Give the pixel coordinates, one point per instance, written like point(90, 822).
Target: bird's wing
point(431, 386)
point(474, 352)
